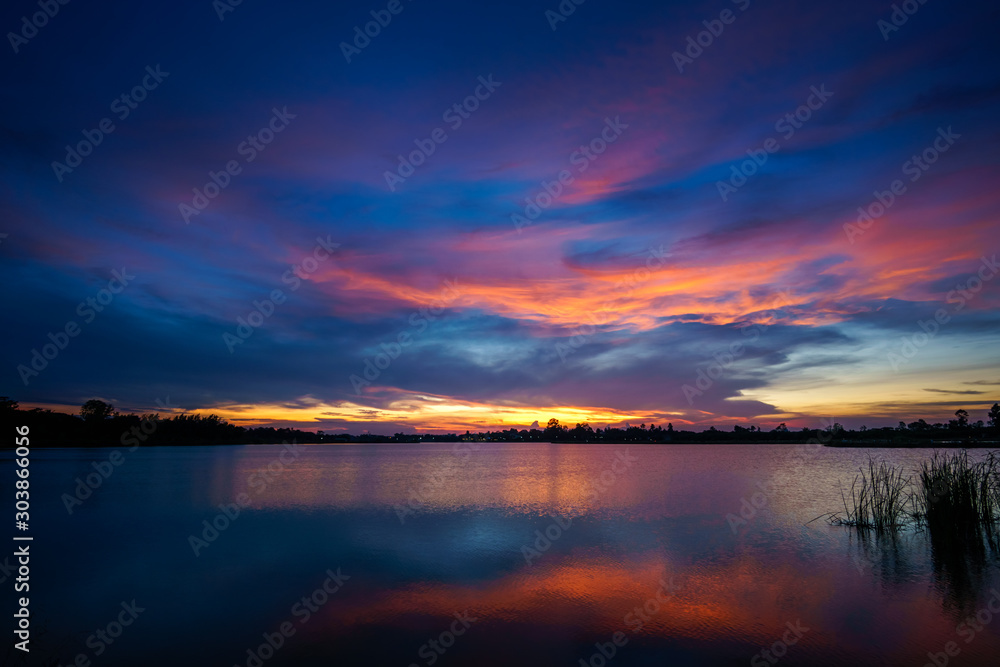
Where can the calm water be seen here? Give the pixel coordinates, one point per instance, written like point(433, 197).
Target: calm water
point(422, 533)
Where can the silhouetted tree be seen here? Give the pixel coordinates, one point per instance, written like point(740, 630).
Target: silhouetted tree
point(554, 430)
point(963, 418)
point(95, 410)
point(995, 415)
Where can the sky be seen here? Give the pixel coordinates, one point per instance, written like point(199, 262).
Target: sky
point(485, 215)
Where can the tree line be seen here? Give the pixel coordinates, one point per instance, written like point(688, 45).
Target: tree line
point(99, 424)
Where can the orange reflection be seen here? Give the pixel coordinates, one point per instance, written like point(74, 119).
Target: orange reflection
point(745, 601)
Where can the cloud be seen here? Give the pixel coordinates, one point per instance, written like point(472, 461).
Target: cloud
point(579, 278)
point(955, 391)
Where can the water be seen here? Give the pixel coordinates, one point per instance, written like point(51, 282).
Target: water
point(409, 536)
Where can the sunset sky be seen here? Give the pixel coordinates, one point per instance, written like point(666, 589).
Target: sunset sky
point(609, 303)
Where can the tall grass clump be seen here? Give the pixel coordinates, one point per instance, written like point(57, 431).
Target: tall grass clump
point(957, 494)
point(879, 499)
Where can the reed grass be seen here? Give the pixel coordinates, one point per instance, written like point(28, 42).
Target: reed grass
point(952, 494)
point(879, 499)
point(958, 494)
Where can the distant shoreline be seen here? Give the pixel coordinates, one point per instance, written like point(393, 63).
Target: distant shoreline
point(986, 444)
point(99, 424)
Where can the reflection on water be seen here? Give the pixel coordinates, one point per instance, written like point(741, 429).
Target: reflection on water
point(959, 559)
point(487, 554)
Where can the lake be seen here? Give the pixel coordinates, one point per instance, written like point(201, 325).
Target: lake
point(487, 554)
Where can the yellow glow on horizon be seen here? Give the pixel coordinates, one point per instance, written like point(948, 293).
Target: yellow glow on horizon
point(430, 413)
point(882, 398)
